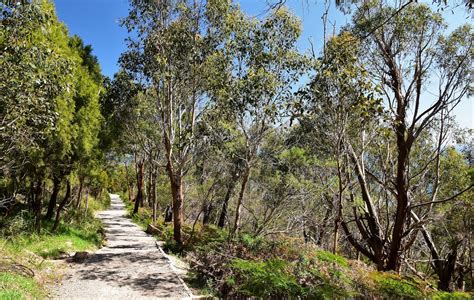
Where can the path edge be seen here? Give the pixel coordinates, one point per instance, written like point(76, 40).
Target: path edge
point(188, 290)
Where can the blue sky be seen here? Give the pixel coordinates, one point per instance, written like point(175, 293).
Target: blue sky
point(97, 23)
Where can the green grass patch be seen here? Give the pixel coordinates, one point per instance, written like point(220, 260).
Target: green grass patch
point(13, 286)
point(69, 238)
point(30, 250)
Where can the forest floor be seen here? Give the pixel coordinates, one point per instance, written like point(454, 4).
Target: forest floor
point(130, 266)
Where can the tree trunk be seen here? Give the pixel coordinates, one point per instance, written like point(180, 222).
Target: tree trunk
point(153, 195)
point(207, 213)
point(225, 204)
point(322, 229)
point(87, 202)
point(37, 204)
point(148, 187)
point(446, 272)
point(401, 186)
point(337, 222)
point(129, 183)
point(176, 183)
point(79, 194)
point(62, 205)
point(177, 192)
point(238, 209)
point(139, 197)
point(169, 213)
point(54, 198)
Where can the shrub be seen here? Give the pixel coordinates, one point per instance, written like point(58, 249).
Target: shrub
point(264, 279)
point(394, 286)
point(332, 258)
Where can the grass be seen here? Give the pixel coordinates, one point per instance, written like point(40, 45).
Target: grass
point(69, 238)
point(18, 282)
point(13, 286)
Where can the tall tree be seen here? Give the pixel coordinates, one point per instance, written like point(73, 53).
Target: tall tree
point(402, 56)
point(260, 64)
point(168, 56)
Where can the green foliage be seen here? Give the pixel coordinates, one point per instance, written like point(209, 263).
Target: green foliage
point(37, 72)
point(451, 296)
point(329, 257)
point(251, 242)
point(252, 266)
point(263, 279)
point(394, 286)
point(20, 247)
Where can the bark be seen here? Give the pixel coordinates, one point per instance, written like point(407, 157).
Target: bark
point(54, 198)
point(446, 272)
point(129, 183)
point(322, 229)
point(225, 204)
point(168, 214)
point(79, 194)
point(148, 190)
point(87, 202)
point(153, 195)
point(139, 197)
point(208, 207)
point(37, 204)
point(176, 183)
point(444, 268)
point(401, 187)
point(370, 231)
point(337, 222)
point(62, 205)
point(238, 210)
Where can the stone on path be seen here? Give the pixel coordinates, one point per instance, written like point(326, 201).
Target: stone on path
point(129, 267)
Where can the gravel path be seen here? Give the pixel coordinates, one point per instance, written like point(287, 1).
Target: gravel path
point(129, 267)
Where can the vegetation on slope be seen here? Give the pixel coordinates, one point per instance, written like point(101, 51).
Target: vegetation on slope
point(281, 267)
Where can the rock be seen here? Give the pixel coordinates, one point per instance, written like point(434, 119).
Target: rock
point(62, 255)
point(151, 229)
point(80, 256)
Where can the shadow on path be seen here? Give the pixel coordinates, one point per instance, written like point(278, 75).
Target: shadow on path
point(129, 267)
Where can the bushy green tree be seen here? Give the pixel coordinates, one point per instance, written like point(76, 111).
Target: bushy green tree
point(49, 108)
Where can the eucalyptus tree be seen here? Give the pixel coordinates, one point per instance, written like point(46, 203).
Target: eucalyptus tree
point(144, 134)
point(449, 235)
point(172, 43)
point(402, 57)
point(260, 64)
point(218, 158)
point(342, 108)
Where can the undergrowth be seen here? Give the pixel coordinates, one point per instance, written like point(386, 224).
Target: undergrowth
point(282, 267)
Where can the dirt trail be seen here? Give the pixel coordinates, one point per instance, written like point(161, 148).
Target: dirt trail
point(129, 267)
